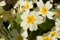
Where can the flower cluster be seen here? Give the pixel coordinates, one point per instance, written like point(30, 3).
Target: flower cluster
point(31, 20)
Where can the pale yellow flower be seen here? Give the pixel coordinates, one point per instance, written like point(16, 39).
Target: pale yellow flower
point(30, 20)
point(44, 9)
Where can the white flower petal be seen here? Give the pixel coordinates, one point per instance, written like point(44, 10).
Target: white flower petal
point(50, 15)
point(58, 6)
point(54, 38)
point(59, 34)
point(57, 28)
point(57, 23)
point(27, 11)
point(33, 27)
point(35, 13)
point(40, 4)
point(39, 19)
point(25, 39)
point(24, 34)
point(48, 5)
point(22, 3)
point(24, 15)
point(24, 25)
point(39, 38)
point(30, 5)
point(2, 3)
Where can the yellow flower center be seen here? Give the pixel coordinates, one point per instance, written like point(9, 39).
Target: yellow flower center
point(30, 19)
point(19, 37)
point(27, 6)
point(54, 33)
point(44, 11)
point(18, 10)
point(58, 13)
point(47, 38)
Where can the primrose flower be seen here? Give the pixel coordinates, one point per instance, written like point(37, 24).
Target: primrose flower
point(30, 20)
point(45, 9)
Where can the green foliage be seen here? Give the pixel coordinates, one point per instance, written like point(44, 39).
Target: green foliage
point(48, 24)
point(16, 23)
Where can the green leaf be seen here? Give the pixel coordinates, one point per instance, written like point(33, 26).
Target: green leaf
point(48, 24)
point(16, 26)
point(18, 19)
